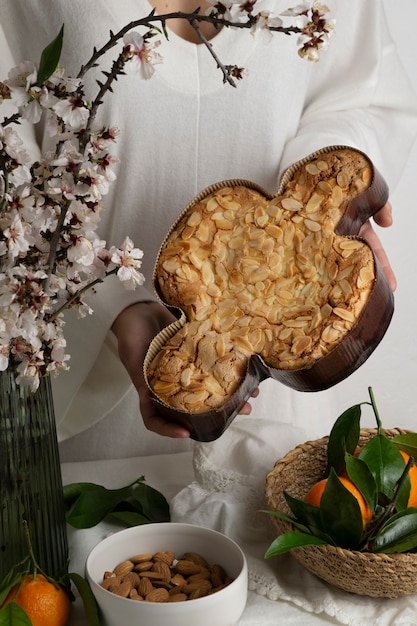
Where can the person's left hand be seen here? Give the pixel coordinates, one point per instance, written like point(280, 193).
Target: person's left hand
point(384, 219)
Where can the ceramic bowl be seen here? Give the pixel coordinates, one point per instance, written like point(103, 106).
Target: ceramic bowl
point(222, 608)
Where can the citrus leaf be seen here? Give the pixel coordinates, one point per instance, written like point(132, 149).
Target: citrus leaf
point(343, 438)
point(9, 581)
point(50, 58)
point(94, 505)
point(340, 514)
point(152, 503)
point(89, 601)
point(73, 491)
point(287, 518)
point(407, 443)
point(307, 515)
point(89, 503)
point(361, 476)
point(399, 534)
point(130, 518)
point(13, 615)
point(293, 539)
point(386, 464)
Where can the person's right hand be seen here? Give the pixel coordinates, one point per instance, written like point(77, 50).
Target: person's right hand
point(135, 327)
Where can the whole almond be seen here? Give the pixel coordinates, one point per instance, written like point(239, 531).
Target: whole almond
point(166, 557)
point(203, 587)
point(178, 579)
point(187, 568)
point(143, 566)
point(196, 558)
point(162, 568)
point(151, 575)
point(157, 595)
point(177, 597)
point(203, 574)
point(140, 558)
point(111, 583)
point(123, 589)
point(145, 586)
point(132, 577)
point(123, 568)
point(217, 575)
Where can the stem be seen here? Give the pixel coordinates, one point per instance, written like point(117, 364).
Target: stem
point(54, 243)
point(13, 119)
point(30, 549)
point(226, 76)
point(391, 507)
point(5, 203)
point(79, 293)
point(150, 20)
point(373, 404)
point(116, 70)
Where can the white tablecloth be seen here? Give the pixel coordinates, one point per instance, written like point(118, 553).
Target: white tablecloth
point(168, 473)
point(307, 601)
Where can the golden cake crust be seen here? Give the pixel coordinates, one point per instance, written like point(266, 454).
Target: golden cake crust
point(256, 274)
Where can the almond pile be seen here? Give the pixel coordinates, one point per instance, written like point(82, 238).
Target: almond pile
point(259, 275)
point(160, 577)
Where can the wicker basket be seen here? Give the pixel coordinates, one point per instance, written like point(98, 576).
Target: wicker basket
point(363, 573)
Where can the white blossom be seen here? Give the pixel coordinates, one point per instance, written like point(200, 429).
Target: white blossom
point(142, 56)
point(129, 261)
point(50, 208)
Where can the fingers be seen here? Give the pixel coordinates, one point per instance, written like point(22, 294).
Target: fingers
point(155, 422)
point(368, 233)
point(384, 216)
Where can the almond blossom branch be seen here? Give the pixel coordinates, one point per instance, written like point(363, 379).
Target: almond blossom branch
point(77, 295)
point(226, 76)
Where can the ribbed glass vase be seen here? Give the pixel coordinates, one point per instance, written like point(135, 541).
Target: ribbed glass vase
point(30, 478)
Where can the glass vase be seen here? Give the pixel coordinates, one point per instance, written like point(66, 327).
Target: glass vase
point(30, 478)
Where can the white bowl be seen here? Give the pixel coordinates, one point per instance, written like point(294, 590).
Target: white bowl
point(222, 608)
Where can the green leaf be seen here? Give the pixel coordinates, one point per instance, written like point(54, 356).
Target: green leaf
point(130, 518)
point(386, 464)
point(407, 443)
point(74, 490)
point(94, 504)
point(137, 503)
point(287, 518)
point(399, 534)
point(50, 58)
point(89, 601)
point(340, 514)
point(153, 504)
point(9, 581)
point(13, 615)
point(308, 516)
point(361, 476)
point(289, 541)
point(343, 438)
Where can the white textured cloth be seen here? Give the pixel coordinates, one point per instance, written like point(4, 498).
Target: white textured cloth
point(184, 130)
point(227, 495)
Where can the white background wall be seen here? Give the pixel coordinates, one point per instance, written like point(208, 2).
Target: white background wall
point(392, 369)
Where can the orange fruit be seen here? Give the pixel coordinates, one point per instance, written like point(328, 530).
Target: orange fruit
point(45, 604)
point(412, 500)
point(316, 492)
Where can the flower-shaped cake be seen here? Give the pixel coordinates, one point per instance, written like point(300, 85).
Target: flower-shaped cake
point(270, 286)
